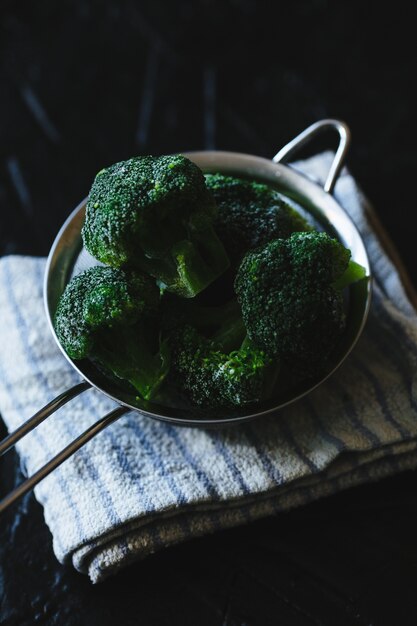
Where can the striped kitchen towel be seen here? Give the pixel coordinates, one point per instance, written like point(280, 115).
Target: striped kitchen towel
point(141, 485)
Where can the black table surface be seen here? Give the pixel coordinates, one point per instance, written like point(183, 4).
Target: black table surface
point(84, 84)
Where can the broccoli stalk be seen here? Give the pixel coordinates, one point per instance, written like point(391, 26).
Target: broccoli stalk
point(352, 274)
point(107, 316)
point(156, 214)
point(128, 353)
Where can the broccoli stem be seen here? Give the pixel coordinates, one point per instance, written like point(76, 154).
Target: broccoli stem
point(211, 249)
point(222, 324)
point(352, 274)
point(246, 342)
point(230, 335)
point(194, 273)
point(129, 355)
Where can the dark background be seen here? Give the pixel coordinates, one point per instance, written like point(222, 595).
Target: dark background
point(86, 83)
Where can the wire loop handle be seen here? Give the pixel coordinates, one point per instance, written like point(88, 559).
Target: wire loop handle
point(62, 456)
point(316, 129)
point(41, 415)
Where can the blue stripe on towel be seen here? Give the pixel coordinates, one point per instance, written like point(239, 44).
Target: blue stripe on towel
point(288, 434)
point(338, 443)
point(270, 468)
point(209, 485)
point(230, 463)
point(158, 462)
point(361, 366)
point(226, 455)
point(353, 416)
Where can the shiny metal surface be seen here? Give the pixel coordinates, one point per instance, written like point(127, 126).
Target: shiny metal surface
point(62, 456)
point(55, 404)
point(312, 131)
point(68, 258)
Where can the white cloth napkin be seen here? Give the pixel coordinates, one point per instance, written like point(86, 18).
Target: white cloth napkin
point(141, 485)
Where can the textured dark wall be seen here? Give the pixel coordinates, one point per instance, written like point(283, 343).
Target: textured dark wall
point(86, 83)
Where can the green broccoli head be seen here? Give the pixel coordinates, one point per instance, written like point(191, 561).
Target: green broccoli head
point(250, 214)
point(107, 316)
point(212, 378)
point(156, 214)
point(290, 303)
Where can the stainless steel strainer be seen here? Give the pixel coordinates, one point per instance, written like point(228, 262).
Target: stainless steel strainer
point(68, 258)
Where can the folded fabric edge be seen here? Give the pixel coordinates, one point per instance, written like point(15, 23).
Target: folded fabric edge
point(342, 462)
point(139, 541)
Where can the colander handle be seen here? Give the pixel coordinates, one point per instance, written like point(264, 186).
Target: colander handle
point(31, 423)
point(66, 452)
point(316, 129)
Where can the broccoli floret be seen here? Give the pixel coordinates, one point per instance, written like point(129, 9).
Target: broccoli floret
point(291, 304)
point(212, 361)
point(156, 214)
point(108, 316)
point(212, 378)
point(250, 214)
